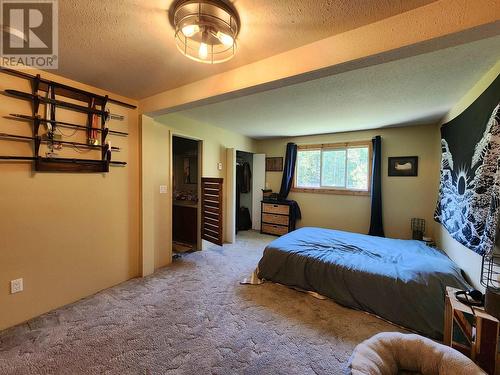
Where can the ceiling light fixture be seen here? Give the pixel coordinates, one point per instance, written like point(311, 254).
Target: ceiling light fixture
point(206, 30)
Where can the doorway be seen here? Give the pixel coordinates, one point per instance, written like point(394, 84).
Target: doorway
point(249, 183)
point(186, 174)
point(244, 191)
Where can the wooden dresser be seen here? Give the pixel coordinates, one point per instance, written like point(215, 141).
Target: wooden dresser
point(275, 218)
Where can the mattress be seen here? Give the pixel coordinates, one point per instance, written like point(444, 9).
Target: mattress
point(402, 281)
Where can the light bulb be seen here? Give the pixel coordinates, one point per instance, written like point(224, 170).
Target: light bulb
point(203, 51)
point(190, 30)
point(225, 39)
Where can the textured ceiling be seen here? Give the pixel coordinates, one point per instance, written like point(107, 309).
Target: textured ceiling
point(414, 90)
point(127, 46)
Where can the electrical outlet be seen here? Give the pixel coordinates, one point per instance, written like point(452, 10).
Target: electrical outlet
point(16, 286)
point(219, 166)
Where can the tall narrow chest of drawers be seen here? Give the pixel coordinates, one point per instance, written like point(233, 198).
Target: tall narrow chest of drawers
point(275, 218)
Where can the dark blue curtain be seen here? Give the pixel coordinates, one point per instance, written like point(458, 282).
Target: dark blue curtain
point(376, 225)
point(288, 170)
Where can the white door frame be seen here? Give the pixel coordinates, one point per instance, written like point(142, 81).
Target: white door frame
point(230, 214)
point(258, 183)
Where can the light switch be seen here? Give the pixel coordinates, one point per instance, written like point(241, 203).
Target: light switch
point(163, 189)
point(16, 286)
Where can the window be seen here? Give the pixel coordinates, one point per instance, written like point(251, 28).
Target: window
point(336, 168)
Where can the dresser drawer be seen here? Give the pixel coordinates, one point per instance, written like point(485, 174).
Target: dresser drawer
point(278, 230)
point(271, 208)
point(275, 219)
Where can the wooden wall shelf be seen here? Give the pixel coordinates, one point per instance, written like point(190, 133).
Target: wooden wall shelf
point(71, 165)
point(65, 90)
point(96, 128)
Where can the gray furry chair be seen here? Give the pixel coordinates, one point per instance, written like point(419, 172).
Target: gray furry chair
point(391, 353)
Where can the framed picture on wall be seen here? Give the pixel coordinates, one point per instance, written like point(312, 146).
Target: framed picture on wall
point(274, 164)
point(403, 166)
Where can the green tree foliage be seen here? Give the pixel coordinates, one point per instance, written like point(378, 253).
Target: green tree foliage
point(357, 168)
point(308, 164)
point(336, 168)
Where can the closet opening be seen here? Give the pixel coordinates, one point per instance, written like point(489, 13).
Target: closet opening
point(186, 173)
point(249, 180)
point(244, 191)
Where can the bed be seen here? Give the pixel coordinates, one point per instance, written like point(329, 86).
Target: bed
point(402, 281)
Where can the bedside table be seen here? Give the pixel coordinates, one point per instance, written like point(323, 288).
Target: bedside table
point(481, 334)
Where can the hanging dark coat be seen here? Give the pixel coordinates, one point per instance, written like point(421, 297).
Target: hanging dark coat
point(244, 177)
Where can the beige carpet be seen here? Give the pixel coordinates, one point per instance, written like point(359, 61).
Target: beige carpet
point(192, 318)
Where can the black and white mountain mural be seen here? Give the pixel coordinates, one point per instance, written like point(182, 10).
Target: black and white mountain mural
point(469, 194)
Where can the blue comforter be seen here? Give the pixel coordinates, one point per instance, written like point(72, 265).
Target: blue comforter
point(402, 281)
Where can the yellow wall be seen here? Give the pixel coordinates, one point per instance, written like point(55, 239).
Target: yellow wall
point(67, 235)
point(403, 197)
point(215, 141)
point(156, 135)
point(469, 261)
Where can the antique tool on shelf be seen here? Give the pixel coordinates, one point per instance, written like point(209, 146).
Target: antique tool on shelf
point(62, 104)
point(48, 111)
point(93, 125)
point(63, 124)
point(48, 140)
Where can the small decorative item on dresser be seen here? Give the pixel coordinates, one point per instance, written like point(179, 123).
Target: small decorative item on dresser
point(274, 164)
point(266, 193)
point(479, 329)
point(403, 166)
